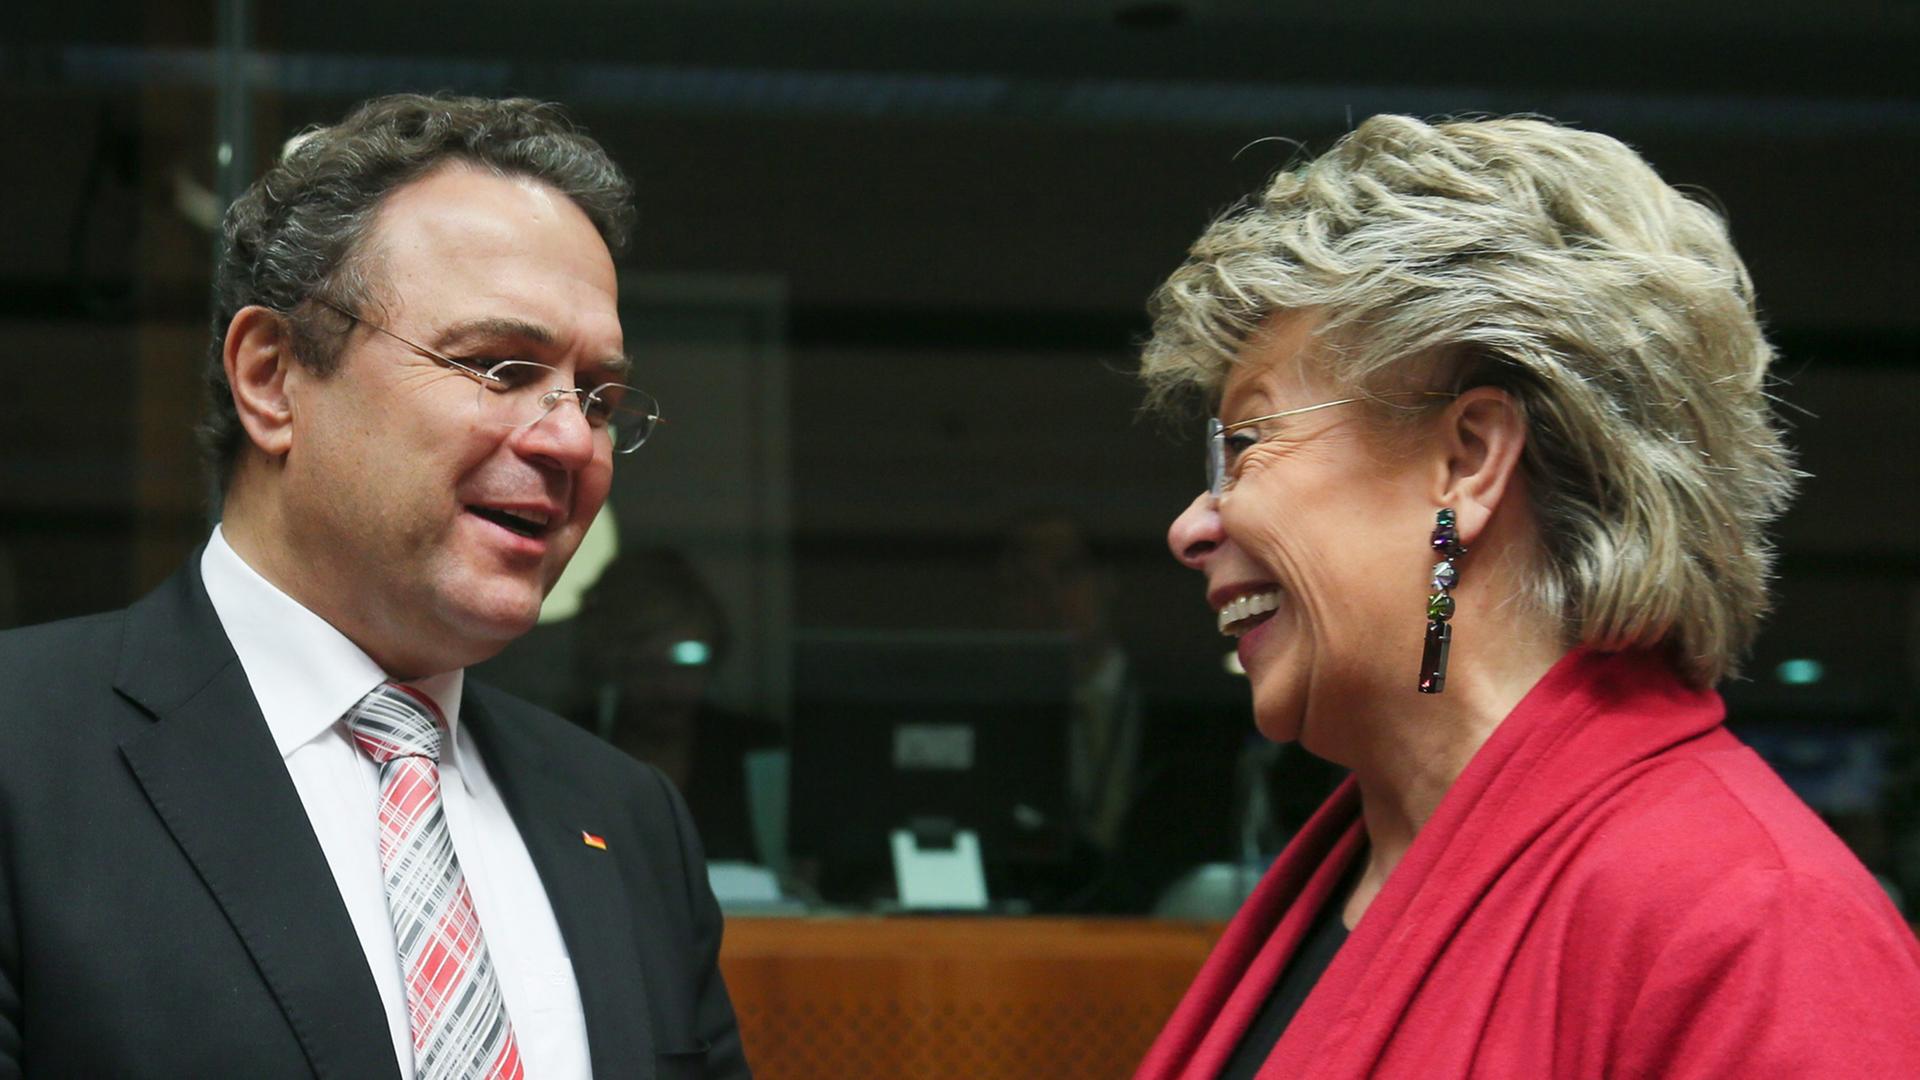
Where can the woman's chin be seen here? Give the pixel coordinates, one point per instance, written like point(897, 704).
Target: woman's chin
point(1271, 657)
point(1274, 725)
point(1279, 705)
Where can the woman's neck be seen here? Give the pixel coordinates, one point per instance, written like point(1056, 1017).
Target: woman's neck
point(1415, 750)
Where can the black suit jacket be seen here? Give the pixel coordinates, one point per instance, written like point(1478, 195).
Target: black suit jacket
point(166, 911)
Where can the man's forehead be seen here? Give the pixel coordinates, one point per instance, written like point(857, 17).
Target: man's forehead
point(460, 205)
point(467, 255)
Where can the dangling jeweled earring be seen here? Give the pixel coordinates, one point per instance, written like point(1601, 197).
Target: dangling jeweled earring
point(1433, 660)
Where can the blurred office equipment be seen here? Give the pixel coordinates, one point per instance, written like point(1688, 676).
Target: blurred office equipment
point(936, 734)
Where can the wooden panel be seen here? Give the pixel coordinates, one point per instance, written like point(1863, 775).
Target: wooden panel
point(925, 998)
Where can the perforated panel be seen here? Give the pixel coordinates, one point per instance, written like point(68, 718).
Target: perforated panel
point(862, 1039)
point(929, 999)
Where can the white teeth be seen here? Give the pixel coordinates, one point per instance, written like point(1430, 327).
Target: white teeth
point(1241, 608)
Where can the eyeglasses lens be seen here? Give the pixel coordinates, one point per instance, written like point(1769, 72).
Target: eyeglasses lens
point(629, 412)
point(519, 393)
point(1216, 455)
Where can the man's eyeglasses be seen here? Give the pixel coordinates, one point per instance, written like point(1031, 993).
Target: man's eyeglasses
point(1226, 442)
point(520, 393)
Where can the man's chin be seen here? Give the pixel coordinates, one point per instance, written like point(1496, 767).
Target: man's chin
point(504, 626)
point(477, 631)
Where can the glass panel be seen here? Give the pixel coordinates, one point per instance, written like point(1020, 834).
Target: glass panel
point(887, 285)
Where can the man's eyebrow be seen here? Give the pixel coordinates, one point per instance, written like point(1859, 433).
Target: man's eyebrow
point(475, 331)
point(479, 331)
point(619, 364)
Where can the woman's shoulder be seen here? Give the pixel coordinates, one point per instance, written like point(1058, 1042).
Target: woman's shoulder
point(1708, 829)
point(1707, 809)
point(1704, 899)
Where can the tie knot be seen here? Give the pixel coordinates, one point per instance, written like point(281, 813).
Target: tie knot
point(396, 721)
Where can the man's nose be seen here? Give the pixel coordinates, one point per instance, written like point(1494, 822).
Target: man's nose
point(562, 438)
point(1195, 534)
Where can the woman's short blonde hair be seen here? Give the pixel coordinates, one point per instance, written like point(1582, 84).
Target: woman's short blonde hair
point(1557, 265)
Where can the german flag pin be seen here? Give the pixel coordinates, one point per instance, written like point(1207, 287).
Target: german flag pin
point(593, 841)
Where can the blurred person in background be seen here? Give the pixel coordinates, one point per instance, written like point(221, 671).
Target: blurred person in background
point(651, 635)
point(1050, 581)
point(1491, 470)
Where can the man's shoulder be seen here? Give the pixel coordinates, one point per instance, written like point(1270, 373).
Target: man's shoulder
point(582, 753)
point(71, 652)
point(526, 718)
point(169, 632)
point(60, 705)
point(520, 735)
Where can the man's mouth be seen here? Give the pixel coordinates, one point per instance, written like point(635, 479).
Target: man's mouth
point(527, 523)
point(1246, 611)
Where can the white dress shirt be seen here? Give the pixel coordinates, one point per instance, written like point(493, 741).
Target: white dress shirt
point(306, 675)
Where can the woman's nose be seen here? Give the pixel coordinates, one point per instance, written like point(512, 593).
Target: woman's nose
point(1195, 534)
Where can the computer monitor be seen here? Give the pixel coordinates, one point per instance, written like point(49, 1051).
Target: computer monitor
point(961, 730)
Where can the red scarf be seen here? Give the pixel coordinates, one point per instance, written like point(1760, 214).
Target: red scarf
point(1614, 886)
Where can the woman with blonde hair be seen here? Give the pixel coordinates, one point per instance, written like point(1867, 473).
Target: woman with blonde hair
point(1490, 476)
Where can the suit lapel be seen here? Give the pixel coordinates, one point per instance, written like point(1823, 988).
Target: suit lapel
point(583, 885)
point(215, 778)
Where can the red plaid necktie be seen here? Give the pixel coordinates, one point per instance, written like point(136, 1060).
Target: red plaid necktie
point(460, 1025)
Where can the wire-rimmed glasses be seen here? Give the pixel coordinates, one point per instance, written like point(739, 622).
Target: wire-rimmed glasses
point(1226, 442)
point(520, 393)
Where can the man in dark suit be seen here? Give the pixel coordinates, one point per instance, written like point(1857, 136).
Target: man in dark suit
point(258, 824)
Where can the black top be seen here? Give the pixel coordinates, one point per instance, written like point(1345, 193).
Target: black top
point(1309, 962)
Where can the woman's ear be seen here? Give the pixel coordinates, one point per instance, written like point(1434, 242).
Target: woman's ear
point(1482, 436)
point(258, 354)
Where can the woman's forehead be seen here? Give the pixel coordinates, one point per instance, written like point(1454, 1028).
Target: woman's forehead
point(1280, 367)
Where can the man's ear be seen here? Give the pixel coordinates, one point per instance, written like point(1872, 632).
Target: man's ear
point(1482, 436)
point(258, 355)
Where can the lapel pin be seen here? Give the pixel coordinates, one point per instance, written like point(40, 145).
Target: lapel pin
point(593, 841)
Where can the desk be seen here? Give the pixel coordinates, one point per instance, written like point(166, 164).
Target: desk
point(975, 998)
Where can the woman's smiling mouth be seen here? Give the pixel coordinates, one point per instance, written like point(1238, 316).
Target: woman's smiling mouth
point(1246, 611)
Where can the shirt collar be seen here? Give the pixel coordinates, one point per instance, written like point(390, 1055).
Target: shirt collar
point(305, 673)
